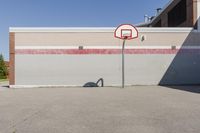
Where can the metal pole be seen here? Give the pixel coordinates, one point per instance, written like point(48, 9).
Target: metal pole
point(123, 77)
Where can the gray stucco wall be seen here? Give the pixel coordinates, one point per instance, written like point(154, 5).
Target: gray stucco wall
point(79, 69)
point(66, 69)
point(141, 69)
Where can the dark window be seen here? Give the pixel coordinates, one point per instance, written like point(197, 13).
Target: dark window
point(178, 14)
point(158, 24)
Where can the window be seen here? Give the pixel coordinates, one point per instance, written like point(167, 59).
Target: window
point(158, 24)
point(178, 14)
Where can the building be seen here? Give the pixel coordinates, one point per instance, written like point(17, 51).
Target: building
point(162, 55)
point(177, 13)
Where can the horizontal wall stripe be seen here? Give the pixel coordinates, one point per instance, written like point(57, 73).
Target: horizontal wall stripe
point(106, 47)
point(106, 51)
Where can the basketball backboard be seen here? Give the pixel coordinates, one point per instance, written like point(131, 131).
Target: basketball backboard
point(126, 31)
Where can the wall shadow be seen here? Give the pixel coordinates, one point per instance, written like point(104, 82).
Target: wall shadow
point(189, 88)
point(184, 71)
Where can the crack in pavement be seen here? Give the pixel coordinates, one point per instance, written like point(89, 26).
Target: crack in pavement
point(14, 126)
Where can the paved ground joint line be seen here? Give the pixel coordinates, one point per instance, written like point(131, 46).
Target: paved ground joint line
point(14, 126)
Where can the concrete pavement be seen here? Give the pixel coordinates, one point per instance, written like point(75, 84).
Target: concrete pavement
point(4, 85)
point(139, 109)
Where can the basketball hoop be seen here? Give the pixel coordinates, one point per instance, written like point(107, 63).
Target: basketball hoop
point(125, 32)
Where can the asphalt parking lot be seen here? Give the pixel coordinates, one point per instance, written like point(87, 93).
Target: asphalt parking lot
point(138, 109)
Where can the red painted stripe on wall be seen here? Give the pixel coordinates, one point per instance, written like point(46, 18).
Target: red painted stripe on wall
point(106, 51)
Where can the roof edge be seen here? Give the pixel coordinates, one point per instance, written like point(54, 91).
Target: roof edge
point(61, 29)
point(94, 29)
point(164, 8)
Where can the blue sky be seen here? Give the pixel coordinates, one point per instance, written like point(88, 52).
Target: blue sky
point(71, 13)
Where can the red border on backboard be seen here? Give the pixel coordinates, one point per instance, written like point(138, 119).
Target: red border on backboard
point(126, 29)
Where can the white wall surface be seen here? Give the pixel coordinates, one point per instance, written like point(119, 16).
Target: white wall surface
point(76, 70)
point(141, 69)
